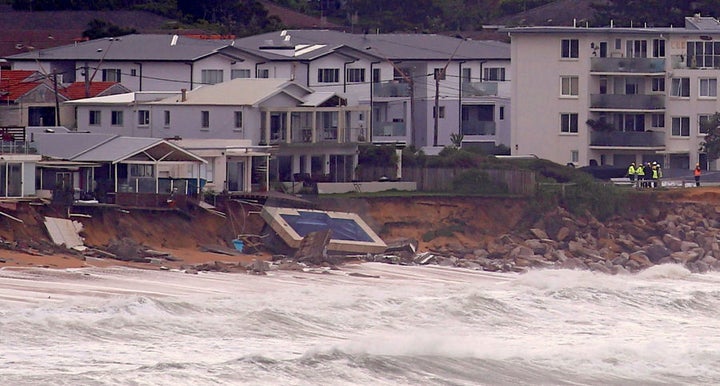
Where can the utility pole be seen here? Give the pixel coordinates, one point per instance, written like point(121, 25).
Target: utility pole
point(57, 99)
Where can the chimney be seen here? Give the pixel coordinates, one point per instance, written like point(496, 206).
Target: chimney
point(183, 93)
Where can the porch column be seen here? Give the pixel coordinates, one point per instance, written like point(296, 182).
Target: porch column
point(308, 164)
point(295, 164)
point(266, 129)
point(353, 177)
point(157, 179)
point(314, 125)
point(342, 122)
point(288, 129)
point(247, 175)
point(198, 189)
point(326, 163)
point(116, 178)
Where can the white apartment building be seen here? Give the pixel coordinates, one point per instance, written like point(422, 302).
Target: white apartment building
point(612, 96)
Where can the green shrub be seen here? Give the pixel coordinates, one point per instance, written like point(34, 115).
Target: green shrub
point(476, 181)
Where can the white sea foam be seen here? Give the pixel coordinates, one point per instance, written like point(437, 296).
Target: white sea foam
point(408, 326)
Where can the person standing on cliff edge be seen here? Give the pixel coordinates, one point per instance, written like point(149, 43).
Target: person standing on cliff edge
point(697, 173)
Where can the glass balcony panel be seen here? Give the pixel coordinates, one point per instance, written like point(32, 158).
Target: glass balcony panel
point(391, 89)
point(478, 128)
point(627, 138)
point(479, 89)
point(389, 129)
point(629, 65)
point(627, 102)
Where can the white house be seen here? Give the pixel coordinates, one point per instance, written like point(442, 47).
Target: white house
point(612, 96)
point(313, 133)
point(402, 78)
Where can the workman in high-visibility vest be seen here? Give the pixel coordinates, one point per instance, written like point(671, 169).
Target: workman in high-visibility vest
point(631, 173)
point(640, 175)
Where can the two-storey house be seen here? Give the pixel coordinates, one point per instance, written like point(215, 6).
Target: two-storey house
point(310, 133)
point(611, 96)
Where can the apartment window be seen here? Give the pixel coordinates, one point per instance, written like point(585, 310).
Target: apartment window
point(263, 73)
point(569, 85)
point(211, 76)
point(239, 73)
point(703, 54)
point(204, 119)
point(658, 84)
point(570, 48)
point(466, 75)
point(680, 87)
point(681, 126)
point(94, 118)
point(442, 112)
point(439, 74)
point(574, 156)
point(328, 75)
point(111, 75)
point(569, 123)
point(658, 48)
point(143, 117)
point(501, 113)
point(632, 86)
point(238, 120)
point(633, 122)
point(356, 75)
point(703, 121)
point(133, 72)
point(494, 74)
point(618, 44)
point(658, 120)
point(166, 118)
point(376, 75)
point(116, 118)
point(636, 49)
point(708, 88)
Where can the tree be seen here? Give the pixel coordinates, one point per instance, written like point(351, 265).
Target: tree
point(99, 29)
point(711, 145)
point(654, 13)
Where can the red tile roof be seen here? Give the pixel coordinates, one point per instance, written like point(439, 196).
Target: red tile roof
point(16, 83)
point(77, 90)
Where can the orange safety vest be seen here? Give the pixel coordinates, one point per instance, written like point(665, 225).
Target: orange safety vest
point(697, 172)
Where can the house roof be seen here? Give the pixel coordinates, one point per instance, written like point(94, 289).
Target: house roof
point(317, 98)
point(148, 47)
point(309, 44)
point(77, 90)
point(16, 83)
point(100, 147)
point(237, 92)
point(125, 98)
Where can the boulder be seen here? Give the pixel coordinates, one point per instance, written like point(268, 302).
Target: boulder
point(539, 233)
point(672, 242)
point(656, 252)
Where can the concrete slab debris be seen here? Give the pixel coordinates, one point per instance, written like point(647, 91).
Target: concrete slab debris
point(64, 232)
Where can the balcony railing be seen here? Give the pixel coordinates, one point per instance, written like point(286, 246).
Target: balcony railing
point(391, 90)
point(17, 147)
point(389, 129)
point(478, 128)
point(627, 139)
point(629, 65)
point(479, 89)
point(627, 102)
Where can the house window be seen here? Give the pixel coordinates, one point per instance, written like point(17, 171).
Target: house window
point(570, 48)
point(466, 75)
point(376, 75)
point(211, 76)
point(328, 75)
point(166, 118)
point(205, 119)
point(569, 85)
point(658, 48)
point(658, 120)
point(703, 54)
point(494, 74)
point(680, 87)
point(239, 73)
point(207, 170)
point(263, 73)
point(356, 75)
point(658, 84)
point(238, 120)
point(501, 113)
point(111, 75)
point(143, 117)
point(442, 112)
point(681, 126)
point(636, 48)
point(574, 156)
point(439, 74)
point(116, 118)
point(94, 118)
point(703, 121)
point(139, 170)
point(708, 88)
point(569, 123)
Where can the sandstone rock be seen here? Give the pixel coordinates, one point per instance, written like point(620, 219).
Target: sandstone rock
point(537, 246)
point(539, 233)
point(563, 234)
point(641, 259)
point(635, 231)
point(672, 242)
point(688, 245)
point(656, 252)
point(599, 267)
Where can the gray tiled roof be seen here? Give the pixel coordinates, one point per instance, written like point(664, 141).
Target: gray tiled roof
point(129, 48)
point(387, 46)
